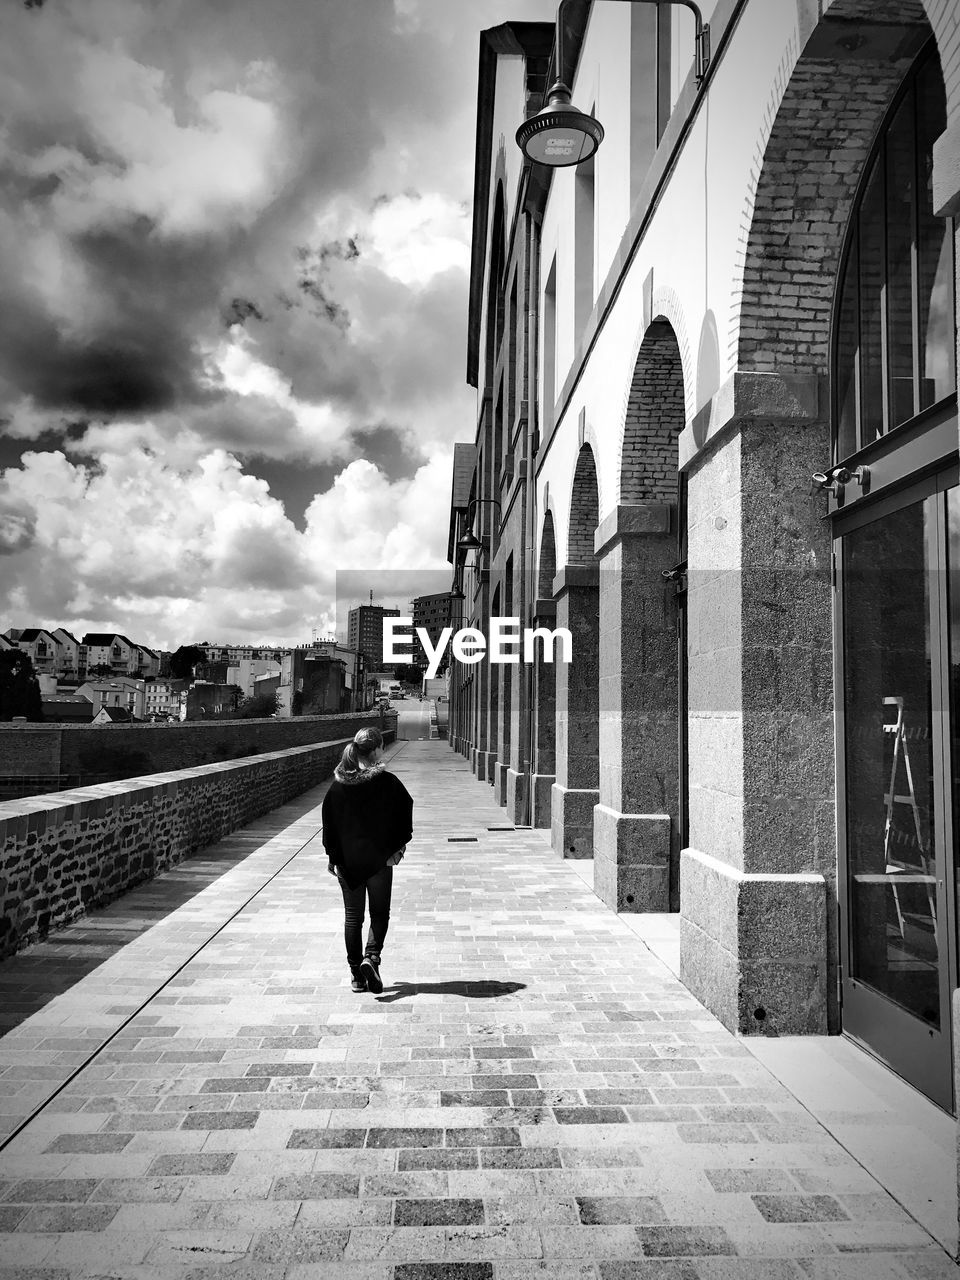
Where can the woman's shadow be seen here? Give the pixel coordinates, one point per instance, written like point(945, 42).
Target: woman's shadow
point(479, 990)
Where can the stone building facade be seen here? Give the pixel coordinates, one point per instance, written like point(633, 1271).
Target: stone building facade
point(751, 284)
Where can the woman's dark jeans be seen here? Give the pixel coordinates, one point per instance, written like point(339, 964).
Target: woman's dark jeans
point(378, 888)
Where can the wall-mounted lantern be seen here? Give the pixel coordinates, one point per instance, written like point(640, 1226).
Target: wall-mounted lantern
point(560, 134)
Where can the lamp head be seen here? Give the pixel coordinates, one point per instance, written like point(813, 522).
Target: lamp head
point(469, 542)
point(559, 135)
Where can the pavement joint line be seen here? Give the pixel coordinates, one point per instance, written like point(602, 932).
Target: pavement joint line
point(28, 1120)
point(564, 1200)
point(156, 991)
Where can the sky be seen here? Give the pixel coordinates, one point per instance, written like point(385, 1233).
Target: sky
point(234, 260)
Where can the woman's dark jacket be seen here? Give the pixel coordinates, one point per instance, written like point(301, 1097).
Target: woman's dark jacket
point(367, 816)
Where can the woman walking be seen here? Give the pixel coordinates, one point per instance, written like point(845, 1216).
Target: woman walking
point(367, 820)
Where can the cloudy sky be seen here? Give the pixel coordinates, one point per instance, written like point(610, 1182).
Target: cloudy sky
point(234, 254)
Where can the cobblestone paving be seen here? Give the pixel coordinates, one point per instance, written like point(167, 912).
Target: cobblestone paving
point(533, 1094)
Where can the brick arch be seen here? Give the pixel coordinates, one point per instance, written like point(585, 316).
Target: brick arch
point(667, 306)
point(823, 115)
point(547, 563)
point(584, 509)
point(653, 420)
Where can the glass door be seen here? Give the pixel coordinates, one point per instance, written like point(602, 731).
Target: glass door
point(899, 646)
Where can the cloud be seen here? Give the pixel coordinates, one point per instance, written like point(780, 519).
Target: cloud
point(233, 236)
point(166, 554)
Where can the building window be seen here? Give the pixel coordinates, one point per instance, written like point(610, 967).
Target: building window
point(894, 331)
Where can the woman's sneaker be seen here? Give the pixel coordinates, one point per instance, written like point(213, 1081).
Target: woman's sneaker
point(357, 981)
point(370, 969)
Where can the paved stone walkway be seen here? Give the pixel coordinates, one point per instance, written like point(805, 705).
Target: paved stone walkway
point(534, 1094)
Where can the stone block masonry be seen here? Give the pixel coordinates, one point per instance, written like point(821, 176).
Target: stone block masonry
point(64, 853)
point(131, 750)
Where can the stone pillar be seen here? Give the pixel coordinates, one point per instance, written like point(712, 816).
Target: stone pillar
point(758, 943)
point(576, 789)
point(633, 825)
point(518, 778)
point(505, 678)
point(544, 711)
point(484, 749)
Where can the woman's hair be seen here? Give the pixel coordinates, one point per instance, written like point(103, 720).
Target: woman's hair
point(365, 743)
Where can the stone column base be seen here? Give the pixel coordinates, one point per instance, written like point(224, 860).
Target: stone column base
point(500, 783)
point(631, 859)
point(483, 764)
point(571, 825)
point(542, 787)
point(516, 795)
point(753, 948)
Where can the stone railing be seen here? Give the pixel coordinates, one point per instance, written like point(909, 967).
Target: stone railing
point(65, 852)
point(94, 753)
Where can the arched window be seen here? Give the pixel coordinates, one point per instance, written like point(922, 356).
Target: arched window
point(894, 337)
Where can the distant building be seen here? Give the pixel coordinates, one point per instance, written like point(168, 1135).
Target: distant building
point(249, 670)
point(113, 715)
point(212, 672)
point(119, 692)
point(163, 698)
point(432, 613)
point(57, 651)
point(103, 649)
point(40, 645)
point(67, 708)
point(233, 654)
point(210, 701)
point(365, 632)
point(68, 655)
point(324, 678)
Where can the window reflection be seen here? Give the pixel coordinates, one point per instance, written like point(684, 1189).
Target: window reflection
point(895, 342)
point(890, 761)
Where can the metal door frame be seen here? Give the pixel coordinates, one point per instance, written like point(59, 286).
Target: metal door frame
point(921, 1054)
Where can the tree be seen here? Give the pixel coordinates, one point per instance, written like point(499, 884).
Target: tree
point(184, 660)
point(19, 687)
point(259, 707)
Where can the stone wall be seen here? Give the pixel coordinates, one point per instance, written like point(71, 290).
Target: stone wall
point(64, 853)
point(104, 752)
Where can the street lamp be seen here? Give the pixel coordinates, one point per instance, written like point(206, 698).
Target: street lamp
point(470, 541)
point(560, 134)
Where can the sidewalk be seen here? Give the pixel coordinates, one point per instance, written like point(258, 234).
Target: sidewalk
point(534, 1094)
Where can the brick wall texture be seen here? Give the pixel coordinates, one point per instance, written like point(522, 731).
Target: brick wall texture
point(548, 560)
point(62, 854)
point(809, 171)
point(654, 420)
point(127, 751)
point(584, 510)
